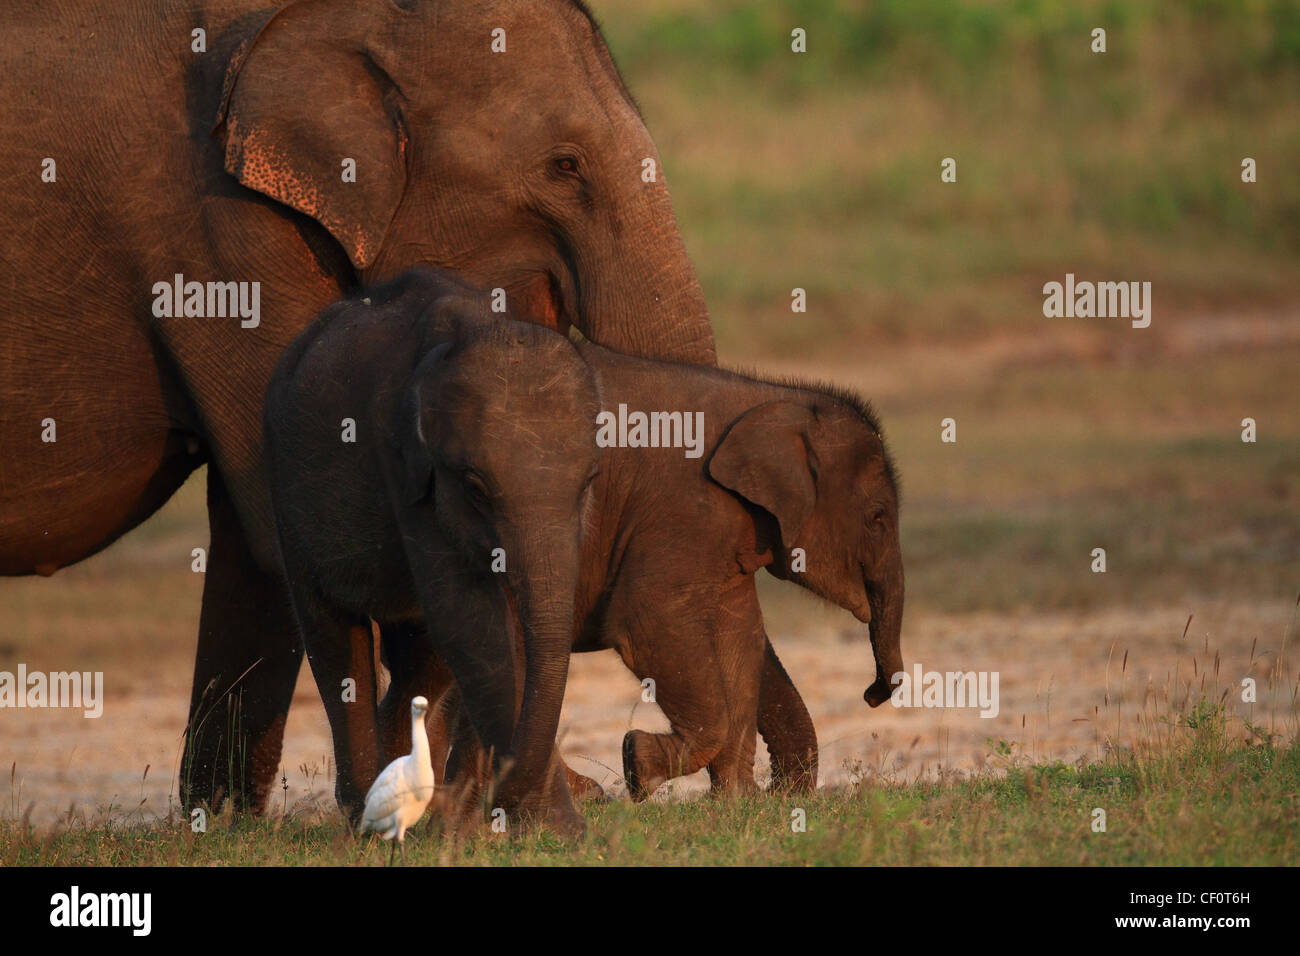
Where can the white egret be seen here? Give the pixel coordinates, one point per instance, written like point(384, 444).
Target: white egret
point(399, 795)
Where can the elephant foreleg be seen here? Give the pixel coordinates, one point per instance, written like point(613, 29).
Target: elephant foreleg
point(786, 728)
point(247, 663)
point(415, 670)
point(738, 644)
point(693, 698)
point(340, 649)
point(464, 795)
point(583, 788)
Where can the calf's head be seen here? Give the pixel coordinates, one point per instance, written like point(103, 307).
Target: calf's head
point(499, 438)
point(818, 466)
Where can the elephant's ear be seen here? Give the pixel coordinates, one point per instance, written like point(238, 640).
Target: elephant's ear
point(764, 459)
point(410, 437)
point(294, 108)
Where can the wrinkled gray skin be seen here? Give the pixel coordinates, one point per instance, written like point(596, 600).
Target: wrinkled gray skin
point(471, 434)
point(670, 552)
point(520, 170)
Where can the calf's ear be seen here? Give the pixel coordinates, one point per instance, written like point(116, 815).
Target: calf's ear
point(410, 437)
point(764, 458)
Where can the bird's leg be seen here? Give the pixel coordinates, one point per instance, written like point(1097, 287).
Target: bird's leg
point(392, 852)
point(401, 843)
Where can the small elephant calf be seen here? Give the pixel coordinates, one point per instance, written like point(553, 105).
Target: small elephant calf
point(790, 476)
point(431, 462)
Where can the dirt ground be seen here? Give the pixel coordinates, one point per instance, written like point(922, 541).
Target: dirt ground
point(1066, 691)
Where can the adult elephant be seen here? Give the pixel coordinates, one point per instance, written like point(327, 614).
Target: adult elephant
point(306, 147)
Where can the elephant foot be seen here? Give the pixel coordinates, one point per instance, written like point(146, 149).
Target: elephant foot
point(562, 817)
point(730, 784)
point(566, 822)
point(559, 817)
point(584, 789)
point(211, 773)
point(352, 813)
point(791, 777)
point(638, 769)
point(552, 807)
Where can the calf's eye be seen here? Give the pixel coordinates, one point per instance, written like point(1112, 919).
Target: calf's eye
point(476, 489)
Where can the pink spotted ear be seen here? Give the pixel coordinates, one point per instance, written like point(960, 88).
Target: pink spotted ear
point(297, 114)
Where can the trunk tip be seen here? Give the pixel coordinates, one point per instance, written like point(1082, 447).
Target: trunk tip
point(878, 692)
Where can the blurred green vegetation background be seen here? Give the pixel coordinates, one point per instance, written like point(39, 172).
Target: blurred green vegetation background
point(821, 170)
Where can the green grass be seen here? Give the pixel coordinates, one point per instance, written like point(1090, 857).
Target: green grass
point(1203, 790)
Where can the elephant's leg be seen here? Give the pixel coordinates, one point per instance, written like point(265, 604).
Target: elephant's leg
point(480, 636)
point(340, 649)
point(247, 663)
point(415, 670)
point(476, 638)
point(787, 728)
point(469, 773)
point(466, 795)
point(731, 772)
point(468, 763)
point(690, 693)
point(451, 799)
point(738, 643)
point(650, 760)
point(583, 788)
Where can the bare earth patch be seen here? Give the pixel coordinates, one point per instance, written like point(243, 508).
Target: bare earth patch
point(1065, 692)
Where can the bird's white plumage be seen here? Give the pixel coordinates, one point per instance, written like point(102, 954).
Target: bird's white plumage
point(399, 795)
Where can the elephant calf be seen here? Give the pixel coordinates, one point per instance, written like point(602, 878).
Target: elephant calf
point(791, 476)
point(431, 462)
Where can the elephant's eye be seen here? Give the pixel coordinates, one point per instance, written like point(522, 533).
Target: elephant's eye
point(879, 516)
point(566, 165)
point(476, 489)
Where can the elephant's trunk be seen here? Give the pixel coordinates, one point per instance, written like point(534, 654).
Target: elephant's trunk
point(543, 581)
point(886, 600)
point(643, 297)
